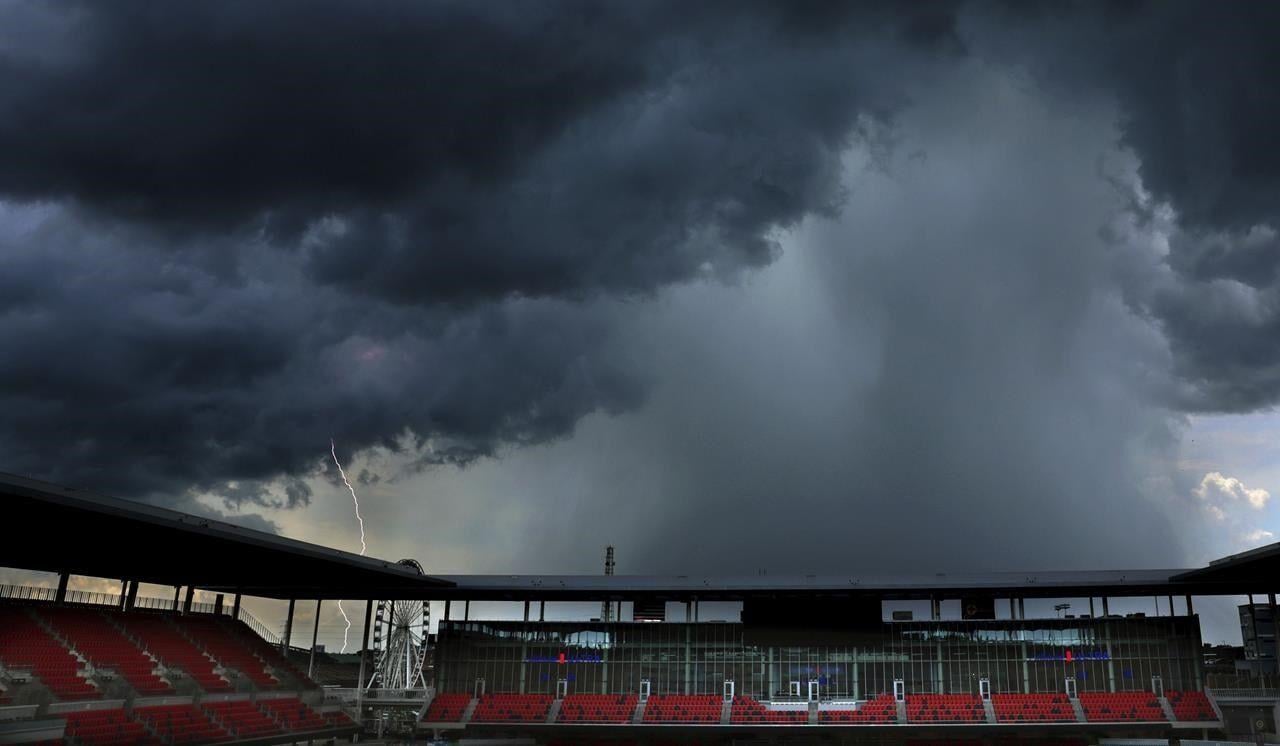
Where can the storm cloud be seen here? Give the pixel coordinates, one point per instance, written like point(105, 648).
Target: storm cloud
point(455, 231)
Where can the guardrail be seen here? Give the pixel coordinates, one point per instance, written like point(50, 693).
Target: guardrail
point(112, 600)
point(1246, 693)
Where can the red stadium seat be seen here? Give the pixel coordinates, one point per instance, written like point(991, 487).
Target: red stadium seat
point(1191, 707)
point(25, 644)
point(161, 637)
point(945, 708)
point(747, 710)
point(527, 708)
point(683, 708)
point(181, 724)
point(597, 708)
point(447, 707)
point(1026, 708)
point(1103, 707)
point(105, 728)
point(881, 709)
point(92, 635)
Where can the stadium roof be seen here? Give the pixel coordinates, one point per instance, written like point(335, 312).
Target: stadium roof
point(69, 530)
point(62, 529)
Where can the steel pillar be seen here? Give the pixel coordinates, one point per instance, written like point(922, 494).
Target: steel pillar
point(235, 607)
point(364, 645)
point(177, 593)
point(61, 597)
point(288, 630)
point(132, 597)
point(466, 610)
point(186, 602)
point(315, 634)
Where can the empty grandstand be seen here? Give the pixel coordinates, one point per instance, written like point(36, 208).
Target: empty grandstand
point(815, 654)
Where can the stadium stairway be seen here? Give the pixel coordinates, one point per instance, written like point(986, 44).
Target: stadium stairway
point(814, 715)
point(726, 711)
point(990, 710)
point(470, 710)
point(554, 712)
point(1167, 708)
point(902, 711)
point(638, 715)
point(1075, 706)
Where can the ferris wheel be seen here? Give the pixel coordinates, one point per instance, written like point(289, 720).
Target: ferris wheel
point(400, 642)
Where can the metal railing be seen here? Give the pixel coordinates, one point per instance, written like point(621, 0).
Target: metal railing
point(112, 600)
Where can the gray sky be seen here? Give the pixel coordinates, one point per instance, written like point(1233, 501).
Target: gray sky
point(779, 287)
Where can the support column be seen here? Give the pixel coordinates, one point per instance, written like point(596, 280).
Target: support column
point(1022, 608)
point(235, 608)
point(688, 660)
point(1275, 630)
point(186, 602)
point(446, 609)
point(177, 590)
point(1171, 613)
point(542, 614)
point(217, 604)
point(1026, 670)
point(855, 671)
point(1105, 611)
point(466, 610)
point(526, 611)
point(1111, 663)
point(1091, 612)
point(1013, 614)
point(1190, 609)
point(61, 596)
point(124, 593)
point(364, 645)
point(288, 630)
point(315, 634)
point(132, 597)
point(1253, 622)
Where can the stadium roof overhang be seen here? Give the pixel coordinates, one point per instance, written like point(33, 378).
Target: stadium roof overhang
point(63, 529)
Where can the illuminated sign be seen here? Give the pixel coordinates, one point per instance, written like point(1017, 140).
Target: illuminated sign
point(1068, 656)
point(564, 658)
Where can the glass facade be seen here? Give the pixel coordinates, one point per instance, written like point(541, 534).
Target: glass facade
point(930, 657)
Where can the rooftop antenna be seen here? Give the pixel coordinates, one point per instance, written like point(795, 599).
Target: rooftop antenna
point(606, 608)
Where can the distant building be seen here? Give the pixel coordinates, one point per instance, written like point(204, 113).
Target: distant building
point(1258, 631)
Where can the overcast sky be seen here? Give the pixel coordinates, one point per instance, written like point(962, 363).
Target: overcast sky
point(736, 287)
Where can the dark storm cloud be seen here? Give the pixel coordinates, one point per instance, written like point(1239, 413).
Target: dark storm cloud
point(234, 230)
point(447, 151)
point(1198, 92)
point(238, 229)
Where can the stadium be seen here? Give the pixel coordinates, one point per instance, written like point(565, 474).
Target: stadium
point(810, 659)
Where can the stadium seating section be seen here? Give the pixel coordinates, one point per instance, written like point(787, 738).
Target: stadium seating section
point(747, 710)
point(681, 708)
point(241, 718)
point(1191, 706)
point(597, 708)
point(945, 708)
point(523, 708)
point(1025, 708)
point(181, 724)
point(1101, 707)
point(447, 707)
point(93, 636)
point(293, 715)
point(106, 727)
point(162, 639)
point(882, 709)
point(231, 650)
point(25, 645)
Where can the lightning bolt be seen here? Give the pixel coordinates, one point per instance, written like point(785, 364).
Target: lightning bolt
point(333, 449)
